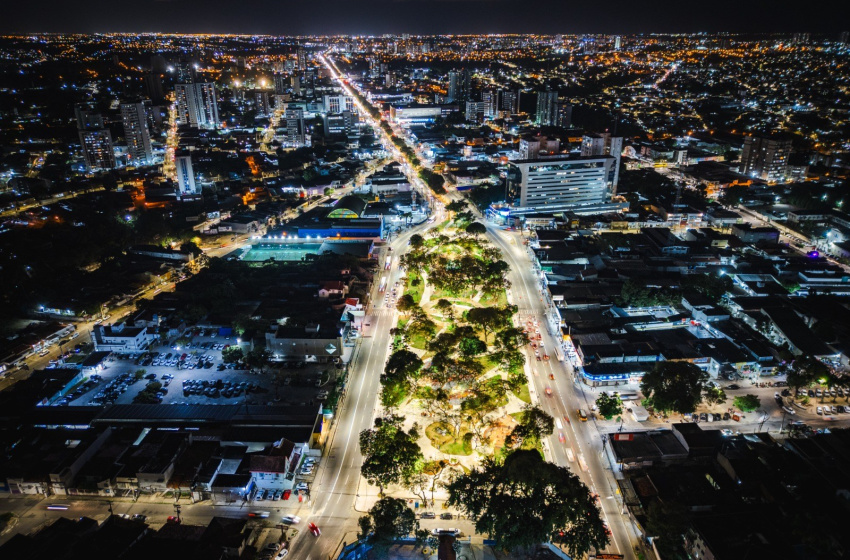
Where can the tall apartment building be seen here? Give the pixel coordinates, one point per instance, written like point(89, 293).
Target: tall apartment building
point(618, 42)
point(604, 145)
point(184, 70)
point(281, 84)
point(474, 109)
point(539, 183)
point(509, 101)
point(197, 105)
point(185, 176)
point(766, 158)
point(296, 85)
point(262, 103)
point(460, 86)
point(563, 114)
point(95, 139)
point(301, 58)
point(294, 120)
point(135, 118)
point(547, 108)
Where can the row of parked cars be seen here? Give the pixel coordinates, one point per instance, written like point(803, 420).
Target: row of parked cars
point(218, 387)
point(834, 392)
point(822, 410)
point(112, 390)
point(79, 391)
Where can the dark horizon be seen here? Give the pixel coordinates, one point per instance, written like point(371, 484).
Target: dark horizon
point(376, 17)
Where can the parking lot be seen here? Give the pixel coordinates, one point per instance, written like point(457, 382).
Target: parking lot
point(196, 375)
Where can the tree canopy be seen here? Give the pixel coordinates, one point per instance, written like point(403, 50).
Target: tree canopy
point(401, 370)
point(746, 403)
point(525, 501)
point(674, 386)
point(609, 406)
point(390, 455)
point(388, 520)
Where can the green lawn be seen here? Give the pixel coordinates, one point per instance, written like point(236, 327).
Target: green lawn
point(416, 290)
point(523, 394)
point(446, 442)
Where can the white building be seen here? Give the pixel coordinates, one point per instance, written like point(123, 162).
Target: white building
point(121, 338)
point(185, 176)
point(197, 105)
point(136, 133)
point(544, 182)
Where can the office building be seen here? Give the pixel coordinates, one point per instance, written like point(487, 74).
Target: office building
point(197, 105)
point(185, 176)
point(341, 124)
point(766, 158)
point(134, 117)
point(618, 42)
point(491, 98)
point(338, 103)
point(541, 183)
point(604, 145)
point(547, 108)
point(460, 86)
point(95, 139)
point(301, 58)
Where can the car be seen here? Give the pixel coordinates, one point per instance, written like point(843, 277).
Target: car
point(703, 417)
point(818, 392)
point(717, 417)
point(140, 517)
point(733, 386)
point(261, 494)
point(835, 410)
point(726, 432)
point(314, 529)
point(173, 519)
point(440, 531)
point(60, 507)
point(561, 437)
point(258, 514)
point(789, 410)
point(549, 391)
point(290, 519)
point(277, 495)
point(427, 515)
point(727, 416)
point(303, 487)
point(281, 553)
point(820, 410)
point(446, 516)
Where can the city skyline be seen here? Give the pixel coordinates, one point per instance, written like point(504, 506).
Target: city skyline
point(373, 17)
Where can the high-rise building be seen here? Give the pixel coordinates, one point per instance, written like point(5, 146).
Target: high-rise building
point(294, 120)
point(134, 117)
point(95, 139)
point(281, 84)
point(539, 183)
point(547, 108)
point(262, 103)
point(197, 105)
point(618, 42)
point(460, 86)
point(491, 98)
point(509, 101)
point(604, 145)
point(563, 114)
point(338, 103)
point(301, 57)
point(766, 158)
point(153, 85)
point(97, 149)
point(478, 110)
point(184, 71)
point(185, 176)
point(296, 85)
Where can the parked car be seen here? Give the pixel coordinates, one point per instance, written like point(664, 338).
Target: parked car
point(290, 519)
point(427, 515)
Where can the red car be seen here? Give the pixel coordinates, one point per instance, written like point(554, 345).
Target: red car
point(173, 519)
point(314, 529)
point(549, 391)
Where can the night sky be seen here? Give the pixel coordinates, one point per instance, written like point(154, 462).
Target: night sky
point(418, 16)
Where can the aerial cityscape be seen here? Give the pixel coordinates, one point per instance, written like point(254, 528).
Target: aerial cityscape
point(440, 296)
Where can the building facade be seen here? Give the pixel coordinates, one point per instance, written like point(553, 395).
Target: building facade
point(134, 117)
point(766, 158)
point(197, 105)
point(544, 182)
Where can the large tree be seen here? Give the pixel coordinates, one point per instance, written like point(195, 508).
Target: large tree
point(609, 406)
point(388, 520)
point(490, 319)
point(476, 228)
point(534, 423)
point(746, 403)
point(805, 371)
point(525, 501)
point(390, 455)
point(674, 386)
point(401, 371)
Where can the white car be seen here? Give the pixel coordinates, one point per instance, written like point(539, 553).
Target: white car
point(302, 486)
point(820, 410)
point(290, 519)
